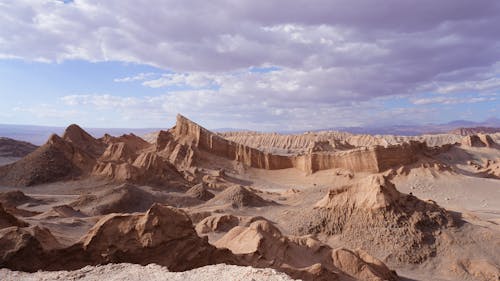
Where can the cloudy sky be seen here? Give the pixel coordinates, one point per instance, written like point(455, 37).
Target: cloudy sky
point(253, 64)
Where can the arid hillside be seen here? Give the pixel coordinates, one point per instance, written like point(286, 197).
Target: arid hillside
point(317, 206)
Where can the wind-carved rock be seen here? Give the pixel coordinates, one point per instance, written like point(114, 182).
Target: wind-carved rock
point(188, 142)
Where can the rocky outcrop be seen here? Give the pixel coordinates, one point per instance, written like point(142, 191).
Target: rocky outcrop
point(83, 140)
point(8, 220)
point(55, 160)
point(132, 141)
point(125, 198)
point(127, 159)
point(15, 148)
point(301, 257)
point(479, 140)
point(187, 142)
point(61, 211)
point(475, 131)
point(14, 198)
point(238, 196)
point(200, 191)
point(223, 223)
point(374, 216)
point(284, 144)
point(163, 235)
point(26, 248)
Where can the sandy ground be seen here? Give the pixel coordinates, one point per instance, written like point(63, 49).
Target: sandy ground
point(152, 272)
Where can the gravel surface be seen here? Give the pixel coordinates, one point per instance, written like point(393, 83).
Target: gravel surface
point(152, 272)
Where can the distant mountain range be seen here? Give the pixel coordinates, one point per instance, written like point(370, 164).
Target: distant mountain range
point(490, 125)
point(39, 134)
point(414, 130)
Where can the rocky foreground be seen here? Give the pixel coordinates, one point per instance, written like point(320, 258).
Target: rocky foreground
point(151, 272)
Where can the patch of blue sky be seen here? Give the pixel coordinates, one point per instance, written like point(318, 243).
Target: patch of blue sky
point(264, 69)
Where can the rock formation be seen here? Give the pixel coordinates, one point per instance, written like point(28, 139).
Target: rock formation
point(238, 196)
point(83, 140)
point(186, 143)
point(479, 140)
point(223, 223)
point(200, 191)
point(14, 198)
point(475, 131)
point(152, 237)
point(374, 216)
point(302, 257)
point(55, 160)
point(125, 198)
point(8, 220)
point(14, 148)
point(163, 235)
point(128, 158)
point(25, 248)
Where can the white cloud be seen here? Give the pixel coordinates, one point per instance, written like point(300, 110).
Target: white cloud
point(192, 80)
point(139, 77)
point(334, 57)
point(452, 100)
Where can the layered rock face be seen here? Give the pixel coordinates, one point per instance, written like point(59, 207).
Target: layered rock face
point(375, 216)
point(184, 142)
point(131, 159)
point(479, 140)
point(475, 131)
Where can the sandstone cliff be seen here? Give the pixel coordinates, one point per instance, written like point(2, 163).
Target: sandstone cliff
point(184, 144)
point(479, 140)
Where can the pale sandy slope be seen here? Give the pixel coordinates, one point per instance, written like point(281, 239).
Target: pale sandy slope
point(152, 272)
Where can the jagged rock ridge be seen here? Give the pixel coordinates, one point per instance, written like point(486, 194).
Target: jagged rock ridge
point(187, 141)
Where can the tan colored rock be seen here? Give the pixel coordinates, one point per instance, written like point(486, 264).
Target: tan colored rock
point(374, 216)
point(187, 140)
point(8, 220)
point(125, 198)
point(163, 235)
point(118, 152)
point(15, 148)
point(479, 140)
point(200, 191)
point(303, 257)
point(238, 196)
point(217, 223)
point(24, 248)
point(56, 160)
point(83, 140)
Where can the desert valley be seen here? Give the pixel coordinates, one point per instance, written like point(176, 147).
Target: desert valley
point(190, 204)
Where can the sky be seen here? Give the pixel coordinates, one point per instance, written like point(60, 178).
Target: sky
point(250, 64)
